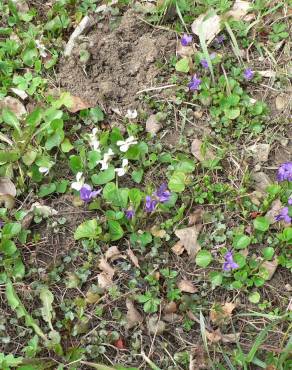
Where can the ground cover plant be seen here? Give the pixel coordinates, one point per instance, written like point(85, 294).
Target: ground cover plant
point(145, 185)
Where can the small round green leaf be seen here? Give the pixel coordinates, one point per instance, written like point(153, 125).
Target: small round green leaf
point(261, 224)
point(203, 258)
point(254, 297)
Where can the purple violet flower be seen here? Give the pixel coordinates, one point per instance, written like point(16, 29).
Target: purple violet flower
point(285, 172)
point(162, 193)
point(204, 62)
point(194, 84)
point(248, 74)
point(150, 203)
point(129, 213)
point(186, 39)
point(219, 39)
point(229, 264)
point(1, 224)
point(284, 215)
point(86, 193)
point(290, 201)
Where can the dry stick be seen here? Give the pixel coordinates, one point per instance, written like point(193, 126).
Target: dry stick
point(155, 88)
point(85, 23)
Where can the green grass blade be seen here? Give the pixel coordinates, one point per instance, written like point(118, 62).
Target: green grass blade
point(234, 43)
point(205, 50)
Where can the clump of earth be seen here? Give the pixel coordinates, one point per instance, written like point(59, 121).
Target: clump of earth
point(121, 63)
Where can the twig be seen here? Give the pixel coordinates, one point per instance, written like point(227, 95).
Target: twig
point(155, 88)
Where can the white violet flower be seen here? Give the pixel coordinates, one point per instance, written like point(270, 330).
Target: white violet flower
point(77, 185)
point(121, 171)
point(93, 142)
point(106, 159)
point(131, 114)
point(125, 145)
point(44, 170)
point(41, 48)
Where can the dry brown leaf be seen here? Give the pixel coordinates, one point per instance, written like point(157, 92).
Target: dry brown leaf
point(178, 248)
point(186, 286)
point(185, 51)
point(196, 150)
point(133, 315)
point(106, 268)
point(14, 105)
point(172, 317)
point(268, 73)
point(91, 297)
point(282, 102)
point(221, 314)
point(260, 152)
point(113, 253)
point(214, 336)
point(79, 104)
point(152, 124)
point(156, 326)
point(188, 237)
point(196, 216)
point(210, 25)
point(276, 206)
point(155, 231)
point(21, 6)
point(7, 187)
point(230, 338)
point(170, 307)
point(133, 258)
point(104, 280)
point(271, 267)
point(239, 9)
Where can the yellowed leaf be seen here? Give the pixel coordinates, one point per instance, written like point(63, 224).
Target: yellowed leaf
point(186, 286)
point(91, 297)
point(133, 315)
point(155, 231)
point(188, 238)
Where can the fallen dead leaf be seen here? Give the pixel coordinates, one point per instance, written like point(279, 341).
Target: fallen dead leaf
point(178, 248)
point(282, 102)
point(185, 51)
point(22, 94)
point(79, 104)
point(133, 258)
point(91, 297)
point(196, 216)
point(199, 358)
point(210, 25)
point(113, 253)
point(7, 187)
point(230, 338)
point(155, 231)
point(156, 326)
point(271, 267)
point(172, 317)
point(104, 280)
point(268, 73)
point(196, 150)
point(43, 210)
point(21, 6)
point(106, 268)
point(260, 152)
point(239, 9)
point(214, 336)
point(188, 237)
point(276, 206)
point(288, 287)
point(170, 307)
point(153, 125)
point(133, 315)
point(186, 286)
point(261, 180)
point(14, 105)
point(221, 314)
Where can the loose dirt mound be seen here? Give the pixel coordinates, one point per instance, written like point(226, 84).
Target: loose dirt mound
point(122, 62)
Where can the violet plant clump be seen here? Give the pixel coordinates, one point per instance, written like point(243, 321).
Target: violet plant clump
point(229, 263)
point(129, 213)
point(195, 83)
point(285, 172)
point(161, 195)
point(87, 194)
point(204, 62)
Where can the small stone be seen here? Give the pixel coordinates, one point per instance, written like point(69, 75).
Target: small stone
point(156, 326)
point(152, 124)
point(260, 152)
point(261, 180)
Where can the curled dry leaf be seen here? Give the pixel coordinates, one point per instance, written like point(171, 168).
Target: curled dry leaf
point(172, 317)
point(133, 258)
point(104, 280)
point(178, 248)
point(7, 192)
point(185, 51)
point(188, 237)
point(196, 150)
point(42, 210)
point(21, 6)
point(196, 216)
point(239, 9)
point(152, 124)
point(156, 326)
point(113, 253)
point(92, 297)
point(271, 267)
point(155, 231)
point(133, 315)
point(14, 105)
point(268, 73)
point(106, 268)
point(221, 314)
point(170, 307)
point(210, 25)
point(79, 104)
point(186, 286)
point(276, 206)
point(214, 336)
